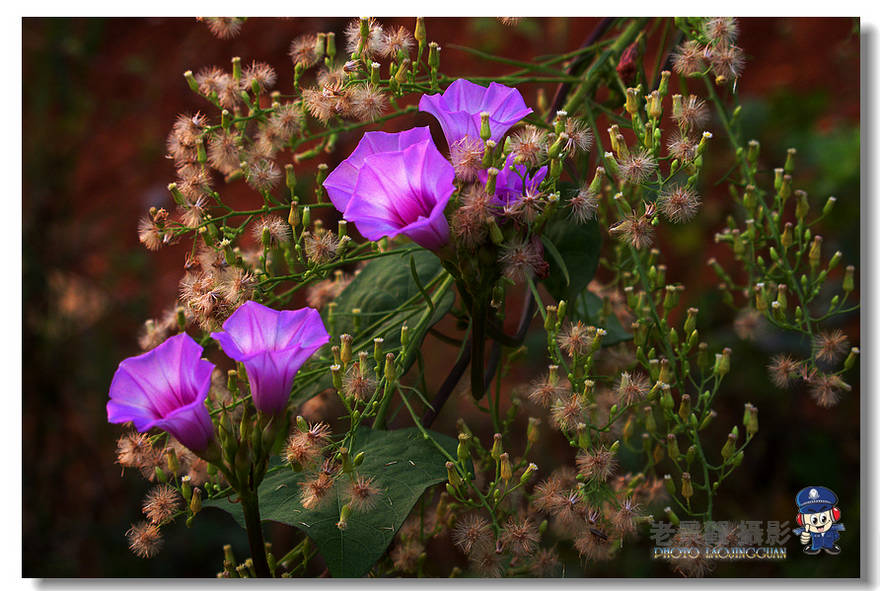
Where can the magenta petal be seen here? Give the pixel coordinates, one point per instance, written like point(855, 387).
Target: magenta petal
point(509, 185)
point(459, 108)
point(406, 193)
point(165, 388)
point(341, 182)
point(272, 345)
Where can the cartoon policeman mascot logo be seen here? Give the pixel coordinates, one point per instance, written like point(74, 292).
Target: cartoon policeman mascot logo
point(819, 518)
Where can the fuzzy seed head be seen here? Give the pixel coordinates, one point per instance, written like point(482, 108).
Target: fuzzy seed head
point(364, 494)
point(637, 167)
point(161, 503)
point(679, 204)
point(144, 539)
point(598, 463)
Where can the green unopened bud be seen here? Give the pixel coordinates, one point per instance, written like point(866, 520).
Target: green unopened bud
point(160, 475)
point(851, 359)
point(729, 445)
point(672, 447)
point(654, 105)
point(236, 69)
point(344, 514)
point(752, 415)
point(496, 447)
point(390, 370)
point(527, 473)
point(377, 351)
point(690, 322)
point(829, 205)
point(650, 423)
point(463, 451)
point(491, 173)
point(171, 460)
point(669, 484)
point(722, 362)
point(191, 81)
point(687, 489)
point(835, 260)
point(506, 468)
point(555, 150)
point(708, 419)
point(789, 160)
point(848, 280)
point(754, 148)
point(306, 216)
point(684, 408)
point(532, 430)
point(666, 400)
point(782, 297)
point(485, 132)
point(433, 55)
point(815, 252)
point(452, 475)
point(632, 104)
point(495, 232)
point(195, 502)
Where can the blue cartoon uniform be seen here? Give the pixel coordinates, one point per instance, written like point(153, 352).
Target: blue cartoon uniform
point(818, 515)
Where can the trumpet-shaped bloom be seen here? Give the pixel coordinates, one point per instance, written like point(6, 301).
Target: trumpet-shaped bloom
point(395, 183)
point(165, 388)
point(509, 185)
point(272, 345)
point(458, 109)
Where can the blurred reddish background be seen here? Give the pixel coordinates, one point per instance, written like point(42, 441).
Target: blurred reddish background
point(100, 95)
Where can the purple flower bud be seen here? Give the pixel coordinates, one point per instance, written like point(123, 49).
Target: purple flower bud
point(273, 345)
point(458, 109)
point(395, 183)
point(165, 388)
point(509, 186)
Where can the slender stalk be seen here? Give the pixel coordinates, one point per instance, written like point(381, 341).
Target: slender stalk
point(478, 340)
point(250, 505)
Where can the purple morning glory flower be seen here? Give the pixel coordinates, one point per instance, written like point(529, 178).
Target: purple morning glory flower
point(165, 388)
point(509, 184)
point(273, 345)
point(395, 183)
point(458, 109)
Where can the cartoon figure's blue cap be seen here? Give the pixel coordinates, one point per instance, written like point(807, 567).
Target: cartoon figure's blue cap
point(815, 499)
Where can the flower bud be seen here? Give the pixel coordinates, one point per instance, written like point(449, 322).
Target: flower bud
point(848, 282)
point(789, 160)
point(532, 430)
point(687, 489)
point(344, 514)
point(452, 475)
point(650, 423)
point(754, 148)
point(463, 451)
point(722, 362)
point(851, 359)
point(390, 370)
point(672, 447)
point(815, 252)
point(729, 445)
point(684, 408)
point(496, 447)
point(669, 484)
point(829, 205)
point(485, 132)
point(195, 502)
point(708, 419)
point(530, 469)
point(666, 400)
point(506, 468)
